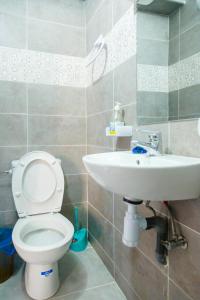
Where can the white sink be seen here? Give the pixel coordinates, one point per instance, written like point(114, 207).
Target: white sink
point(158, 178)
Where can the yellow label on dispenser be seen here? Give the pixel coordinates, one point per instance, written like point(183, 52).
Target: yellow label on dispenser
point(113, 132)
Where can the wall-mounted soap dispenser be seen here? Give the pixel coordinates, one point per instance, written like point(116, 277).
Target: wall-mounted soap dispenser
point(117, 127)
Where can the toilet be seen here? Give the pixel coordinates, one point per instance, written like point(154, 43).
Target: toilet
point(41, 235)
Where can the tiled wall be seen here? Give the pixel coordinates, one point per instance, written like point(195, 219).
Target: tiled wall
point(118, 84)
point(152, 59)
point(184, 58)
point(136, 270)
point(42, 100)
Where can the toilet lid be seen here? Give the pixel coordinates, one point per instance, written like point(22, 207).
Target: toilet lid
point(37, 184)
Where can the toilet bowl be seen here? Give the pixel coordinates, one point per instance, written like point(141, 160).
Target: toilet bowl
point(41, 235)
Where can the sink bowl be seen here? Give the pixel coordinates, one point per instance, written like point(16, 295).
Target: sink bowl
point(139, 177)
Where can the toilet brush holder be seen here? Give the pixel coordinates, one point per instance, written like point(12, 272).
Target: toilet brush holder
point(80, 240)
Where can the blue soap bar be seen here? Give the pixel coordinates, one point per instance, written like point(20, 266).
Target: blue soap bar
point(139, 150)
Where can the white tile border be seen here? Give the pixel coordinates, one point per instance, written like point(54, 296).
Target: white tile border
point(38, 67)
point(29, 66)
point(23, 65)
point(180, 75)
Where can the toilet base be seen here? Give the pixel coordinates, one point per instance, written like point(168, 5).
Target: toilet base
point(41, 281)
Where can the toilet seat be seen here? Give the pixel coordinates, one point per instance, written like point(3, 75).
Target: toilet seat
point(37, 184)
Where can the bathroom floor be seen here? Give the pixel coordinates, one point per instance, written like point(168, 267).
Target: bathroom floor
point(83, 277)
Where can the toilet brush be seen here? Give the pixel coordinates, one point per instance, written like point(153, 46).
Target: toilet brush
point(79, 241)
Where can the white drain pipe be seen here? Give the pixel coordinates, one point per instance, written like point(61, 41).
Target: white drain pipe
point(133, 224)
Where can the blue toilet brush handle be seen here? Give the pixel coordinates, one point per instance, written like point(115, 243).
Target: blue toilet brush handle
point(76, 219)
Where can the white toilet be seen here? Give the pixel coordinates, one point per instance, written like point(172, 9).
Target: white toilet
point(41, 235)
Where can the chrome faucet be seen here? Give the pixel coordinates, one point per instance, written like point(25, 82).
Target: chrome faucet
point(151, 143)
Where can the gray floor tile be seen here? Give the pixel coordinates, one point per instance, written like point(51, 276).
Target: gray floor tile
point(82, 271)
point(83, 276)
point(107, 292)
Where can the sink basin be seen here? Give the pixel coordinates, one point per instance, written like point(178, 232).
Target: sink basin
point(158, 178)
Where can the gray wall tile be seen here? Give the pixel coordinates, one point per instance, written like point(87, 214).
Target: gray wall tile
point(187, 213)
point(7, 206)
point(173, 105)
point(6, 198)
point(100, 95)
point(136, 268)
point(152, 52)
point(71, 157)
point(120, 208)
point(174, 24)
point(191, 38)
point(174, 49)
point(152, 104)
point(56, 100)
point(56, 130)
point(13, 130)
point(101, 230)
point(125, 82)
point(13, 31)
point(16, 7)
point(100, 199)
point(69, 12)
point(189, 102)
point(68, 212)
point(49, 37)
point(101, 24)
point(7, 154)
point(91, 8)
point(120, 7)
point(184, 266)
point(96, 129)
point(189, 143)
point(189, 15)
point(176, 293)
point(12, 97)
point(75, 189)
point(151, 26)
point(8, 218)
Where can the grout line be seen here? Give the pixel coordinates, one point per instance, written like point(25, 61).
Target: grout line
point(64, 145)
point(75, 174)
point(180, 288)
point(13, 146)
point(100, 113)
point(58, 116)
point(128, 283)
point(44, 115)
point(85, 290)
point(81, 28)
point(100, 246)
point(101, 147)
point(95, 12)
point(52, 145)
point(8, 211)
point(100, 214)
point(147, 257)
point(188, 228)
point(153, 263)
point(75, 203)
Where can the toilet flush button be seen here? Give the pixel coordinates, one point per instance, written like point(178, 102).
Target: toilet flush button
point(59, 190)
point(18, 194)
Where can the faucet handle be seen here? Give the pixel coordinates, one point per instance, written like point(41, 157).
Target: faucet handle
point(154, 140)
point(155, 136)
